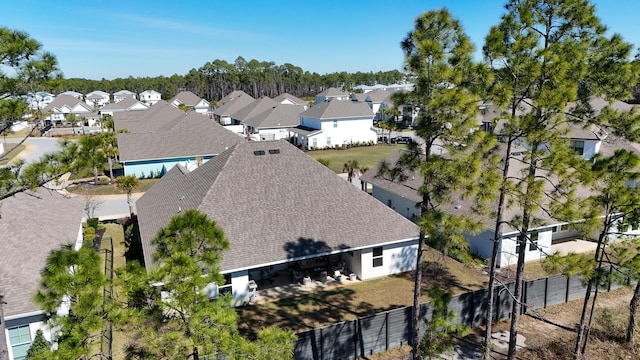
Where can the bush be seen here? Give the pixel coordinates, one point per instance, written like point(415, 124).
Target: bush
point(93, 223)
point(324, 161)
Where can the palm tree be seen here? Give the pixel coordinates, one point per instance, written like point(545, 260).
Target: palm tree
point(352, 168)
point(128, 183)
point(73, 120)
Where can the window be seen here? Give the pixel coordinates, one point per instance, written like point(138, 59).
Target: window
point(533, 241)
point(517, 239)
point(577, 146)
point(314, 142)
point(335, 123)
point(554, 229)
point(20, 340)
point(377, 256)
point(564, 227)
point(329, 141)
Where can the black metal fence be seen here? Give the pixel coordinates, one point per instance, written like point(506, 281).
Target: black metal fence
point(390, 329)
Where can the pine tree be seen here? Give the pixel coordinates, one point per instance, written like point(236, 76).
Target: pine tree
point(177, 319)
point(40, 347)
point(439, 54)
point(546, 56)
point(439, 331)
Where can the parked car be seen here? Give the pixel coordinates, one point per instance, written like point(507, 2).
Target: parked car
point(401, 139)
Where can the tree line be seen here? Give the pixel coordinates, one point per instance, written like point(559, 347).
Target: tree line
point(215, 79)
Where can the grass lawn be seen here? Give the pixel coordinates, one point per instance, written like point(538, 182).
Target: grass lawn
point(349, 302)
point(367, 156)
point(7, 158)
point(108, 189)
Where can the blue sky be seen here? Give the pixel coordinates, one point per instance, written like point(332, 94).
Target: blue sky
point(109, 39)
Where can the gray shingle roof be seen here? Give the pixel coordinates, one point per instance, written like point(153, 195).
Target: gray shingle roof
point(254, 108)
point(186, 97)
point(232, 105)
point(232, 95)
point(123, 104)
point(62, 100)
point(338, 109)
point(193, 135)
point(332, 92)
point(282, 115)
point(379, 95)
point(286, 96)
point(268, 205)
point(154, 118)
point(32, 225)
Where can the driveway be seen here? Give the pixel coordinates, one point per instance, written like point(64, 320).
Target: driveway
point(35, 147)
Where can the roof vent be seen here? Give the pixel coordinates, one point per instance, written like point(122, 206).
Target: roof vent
point(458, 206)
point(259, 152)
point(274, 151)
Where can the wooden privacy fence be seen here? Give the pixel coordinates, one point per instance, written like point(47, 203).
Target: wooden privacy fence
point(390, 329)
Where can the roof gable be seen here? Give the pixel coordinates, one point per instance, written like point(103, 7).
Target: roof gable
point(287, 98)
point(332, 92)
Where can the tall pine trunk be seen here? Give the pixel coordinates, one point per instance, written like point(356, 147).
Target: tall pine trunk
point(497, 238)
point(633, 309)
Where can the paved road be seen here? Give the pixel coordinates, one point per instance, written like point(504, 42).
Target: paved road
point(36, 147)
point(111, 206)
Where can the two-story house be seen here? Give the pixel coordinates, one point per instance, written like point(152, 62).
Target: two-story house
point(335, 123)
point(150, 97)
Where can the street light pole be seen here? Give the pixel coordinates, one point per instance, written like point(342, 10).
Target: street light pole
point(4, 350)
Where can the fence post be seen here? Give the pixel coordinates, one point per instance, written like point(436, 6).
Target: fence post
point(355, 337)
point(321, 345)
point(546, 291)
point(386, 331)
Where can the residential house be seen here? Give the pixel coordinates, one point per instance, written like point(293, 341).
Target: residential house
point(274, 123)
point(158, 116)
point(189, 139)
point(231, 103)
point(122, 94)
point(331, 94)
point(191, 100)
point(282, 212)
point(39, 100)
point(64, 105)
point(128, 103)
point(150, 97)
point(393, 87)
point(289, 99)
point(255, 107)
point(358, 97)
point(75, 94)
point(335, 123)
point(28, 233)
point(97, 99)
point(403, 197)
point(377, 101)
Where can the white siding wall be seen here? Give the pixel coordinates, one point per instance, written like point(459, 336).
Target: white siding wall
point(508, 255)
point(396, 258)
point(404, 206)
point(346, 132)
point(591, 148)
